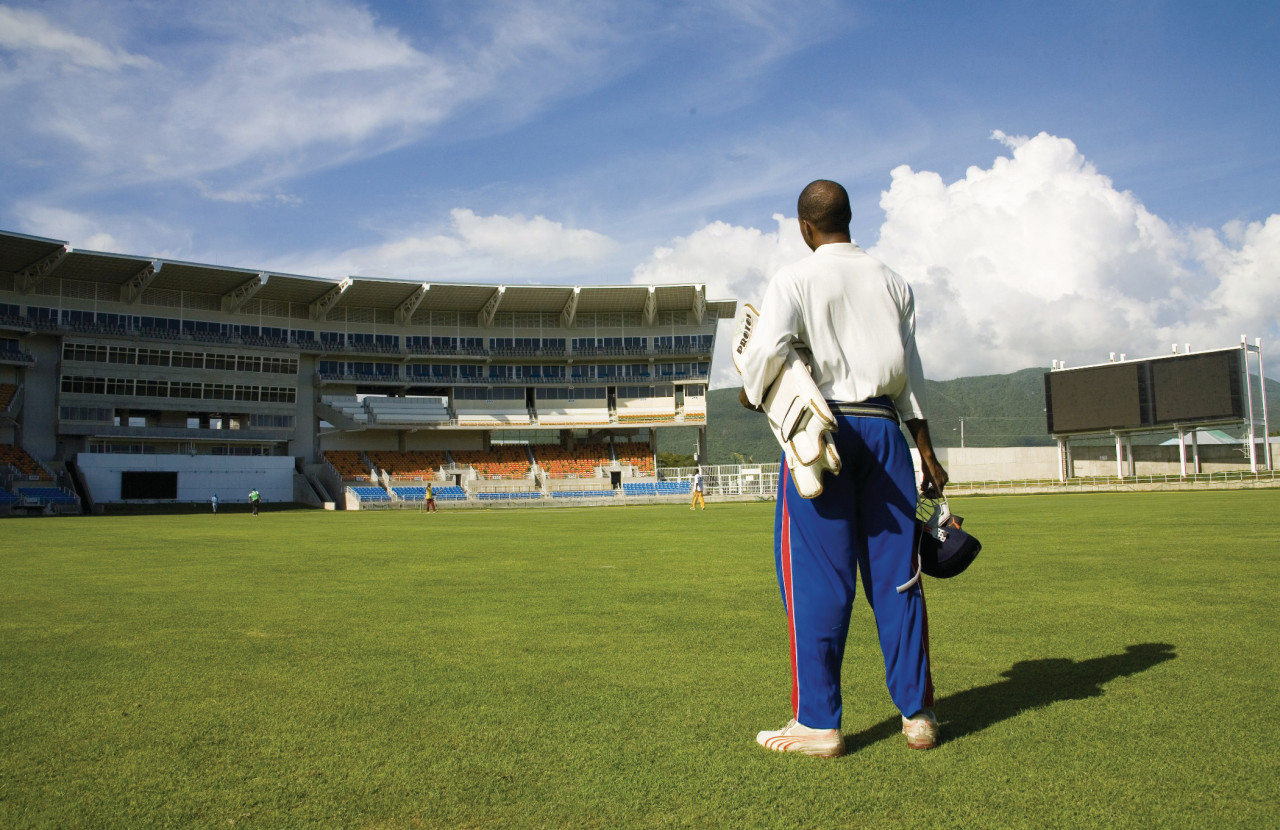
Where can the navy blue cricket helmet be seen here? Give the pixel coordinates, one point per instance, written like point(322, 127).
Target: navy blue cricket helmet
point(943, 549)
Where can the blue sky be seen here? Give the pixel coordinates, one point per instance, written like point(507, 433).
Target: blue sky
point(1056, 180)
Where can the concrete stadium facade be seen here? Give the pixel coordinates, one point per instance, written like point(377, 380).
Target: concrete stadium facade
point(116, 355)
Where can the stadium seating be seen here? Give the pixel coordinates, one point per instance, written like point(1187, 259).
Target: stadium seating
point(348, 406)
point(637, 455)
point(450, 493)
point(6, 497)
point(406, 411)
point(348, 464)
point(500, 462)
point(581, 462)
point(416, 464)
point(371, 494)
point(22, 461)
point(656, 488)
point(583, 494)
point(516, 496)
point(47, 495)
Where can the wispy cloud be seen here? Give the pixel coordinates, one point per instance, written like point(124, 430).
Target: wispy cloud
point(470, 247)
point(35, 36)
point(235, 98)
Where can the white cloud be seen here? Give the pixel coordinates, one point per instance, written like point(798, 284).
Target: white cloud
point(237, 98)
point(33, 33)
point(1036, 258)
point(472, 247)
point(1040, 257)
point(733, 263)
point(112, 234)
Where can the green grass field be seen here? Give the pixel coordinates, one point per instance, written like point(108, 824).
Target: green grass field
point(1108, 662)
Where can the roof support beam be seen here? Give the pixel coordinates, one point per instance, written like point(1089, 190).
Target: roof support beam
point(235, 299)
point(491, 306)
point(133, 287)
point(651, 305)
point(28, 278)
point(321, 307)
point(404, 311)
point(570, 309)
point(700, 303)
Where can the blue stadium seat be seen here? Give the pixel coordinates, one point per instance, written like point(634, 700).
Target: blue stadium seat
point(47, 495)
point(451, 493)
point(582, 494)
point(371, 493)
point(534, 494)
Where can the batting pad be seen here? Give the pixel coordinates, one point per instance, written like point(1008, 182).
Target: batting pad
point(799, 416)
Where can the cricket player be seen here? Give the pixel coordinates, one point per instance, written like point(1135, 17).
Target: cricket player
point(856, 317)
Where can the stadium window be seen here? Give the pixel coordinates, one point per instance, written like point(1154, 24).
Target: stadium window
point(151, 388)
point(153, 357)
point(248, 363)
point(220, 362)
point(122, 354)
point(188, 360)
point(184, 389)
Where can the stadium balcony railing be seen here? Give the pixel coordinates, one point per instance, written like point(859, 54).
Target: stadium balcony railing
point(17, 356)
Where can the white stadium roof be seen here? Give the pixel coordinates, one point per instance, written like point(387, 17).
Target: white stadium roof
point(34, 258)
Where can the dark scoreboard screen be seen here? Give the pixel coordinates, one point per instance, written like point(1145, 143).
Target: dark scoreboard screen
point(1146, 393)
point(1197, 387)
point(1098, 398)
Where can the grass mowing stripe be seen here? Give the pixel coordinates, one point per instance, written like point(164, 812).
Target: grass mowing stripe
point(1103, 664)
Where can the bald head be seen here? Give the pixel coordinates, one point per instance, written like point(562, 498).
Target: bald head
point(825, 205)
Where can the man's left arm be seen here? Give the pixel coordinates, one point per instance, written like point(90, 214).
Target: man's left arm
point(935, 477)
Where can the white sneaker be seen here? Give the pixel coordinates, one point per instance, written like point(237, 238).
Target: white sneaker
point(921, 730)
point(796, 737)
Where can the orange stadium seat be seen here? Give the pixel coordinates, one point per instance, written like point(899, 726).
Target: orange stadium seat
point(347, 463)
point(580, 462)
point(500, 462)
point(413, 464)
point(7, 391)
point(637, 455)
point(22, 461)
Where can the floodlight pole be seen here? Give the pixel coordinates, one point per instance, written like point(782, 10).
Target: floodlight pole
point(1248, 388)
point(1266, 425)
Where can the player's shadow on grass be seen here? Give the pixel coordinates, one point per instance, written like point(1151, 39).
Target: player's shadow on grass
point(1029, 684)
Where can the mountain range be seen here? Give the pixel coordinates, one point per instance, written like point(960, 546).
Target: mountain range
point(991, 410)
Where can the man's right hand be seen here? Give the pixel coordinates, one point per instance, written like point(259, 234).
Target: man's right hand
point(745, 401)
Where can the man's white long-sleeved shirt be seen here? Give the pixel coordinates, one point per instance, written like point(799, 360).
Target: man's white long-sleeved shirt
point(857, 318)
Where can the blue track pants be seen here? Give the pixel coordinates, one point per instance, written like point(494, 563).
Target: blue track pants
point(863, 519)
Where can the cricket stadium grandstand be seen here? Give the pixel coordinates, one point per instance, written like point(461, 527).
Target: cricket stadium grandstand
point(135, 380)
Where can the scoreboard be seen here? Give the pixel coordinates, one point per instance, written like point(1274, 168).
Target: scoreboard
point(1156, 392)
